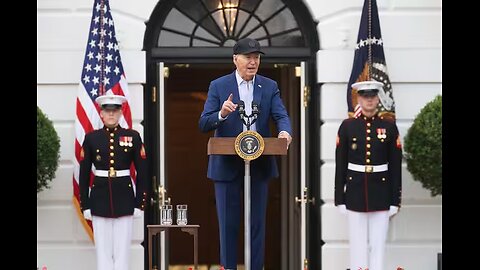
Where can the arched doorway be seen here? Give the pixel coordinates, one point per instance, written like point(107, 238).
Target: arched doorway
point(188, 43)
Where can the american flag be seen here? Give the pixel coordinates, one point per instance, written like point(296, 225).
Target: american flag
point(102, 72)
point(369, 63)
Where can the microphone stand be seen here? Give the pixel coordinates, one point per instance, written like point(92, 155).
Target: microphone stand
point(246, 119)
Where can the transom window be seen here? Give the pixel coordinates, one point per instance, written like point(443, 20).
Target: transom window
point(220, 23)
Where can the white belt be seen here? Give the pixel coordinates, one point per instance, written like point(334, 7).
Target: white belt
point(368, 168)
point(113, 173)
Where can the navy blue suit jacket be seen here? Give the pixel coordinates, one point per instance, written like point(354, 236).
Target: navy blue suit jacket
point(267, 95)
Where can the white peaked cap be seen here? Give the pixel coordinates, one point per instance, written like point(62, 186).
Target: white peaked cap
point(367, 85)
point(110, 99)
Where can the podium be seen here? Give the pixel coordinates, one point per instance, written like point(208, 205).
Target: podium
point(230, 146)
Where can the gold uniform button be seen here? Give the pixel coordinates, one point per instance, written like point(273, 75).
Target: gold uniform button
point(125, 150)
point(383, 179)
point(130, 185)
point(368, 124)
point(349, 178)
point(111, 147)
point(368, 153)
point(368, 160)
point(112, 154)
point(112, 161)
point(98, 150)
point(368, 138)
point(111, 134)
point(354, 139)
point(368, 145)
point(368, 130)
point(111, 140)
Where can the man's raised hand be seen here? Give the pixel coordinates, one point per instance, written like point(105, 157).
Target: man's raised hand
point(228, 107)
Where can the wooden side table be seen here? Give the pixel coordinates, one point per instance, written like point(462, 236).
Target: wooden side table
point(190, 229)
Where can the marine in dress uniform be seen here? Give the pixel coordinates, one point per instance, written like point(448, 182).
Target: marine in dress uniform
point(368, 179)
point(113, 199)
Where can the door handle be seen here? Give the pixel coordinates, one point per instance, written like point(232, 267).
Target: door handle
point(305, 198)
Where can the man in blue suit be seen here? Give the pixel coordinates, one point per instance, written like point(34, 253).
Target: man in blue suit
point(220, 114)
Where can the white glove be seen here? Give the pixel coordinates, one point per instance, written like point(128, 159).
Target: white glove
point(393, 210)
point(137, 213)
point(342, 209)
point(87, 214)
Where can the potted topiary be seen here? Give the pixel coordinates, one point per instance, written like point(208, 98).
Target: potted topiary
point(423, 150)
point(423, 147)
point(48, 147)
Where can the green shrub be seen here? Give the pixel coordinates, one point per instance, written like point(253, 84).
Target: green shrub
point(423, 147)
point(48, 147)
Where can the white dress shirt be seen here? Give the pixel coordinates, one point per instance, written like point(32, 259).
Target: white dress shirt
point(245, 91)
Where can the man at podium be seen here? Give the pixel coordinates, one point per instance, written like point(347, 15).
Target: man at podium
point(244, 90)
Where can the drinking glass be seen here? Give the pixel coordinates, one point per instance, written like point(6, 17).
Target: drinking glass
point(182, 214)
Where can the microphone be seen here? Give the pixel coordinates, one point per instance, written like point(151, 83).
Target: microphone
point(241, 108)
point(255, 111)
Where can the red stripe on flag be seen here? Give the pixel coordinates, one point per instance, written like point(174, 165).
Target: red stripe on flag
point(83, 118)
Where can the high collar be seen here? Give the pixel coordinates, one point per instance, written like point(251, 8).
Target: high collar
point(111, 129)
point(368, 118)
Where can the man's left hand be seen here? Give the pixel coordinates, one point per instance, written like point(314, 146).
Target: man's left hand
point(137, 213)
point(284, 134)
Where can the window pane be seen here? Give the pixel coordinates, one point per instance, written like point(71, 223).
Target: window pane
point(242, 17)
point(252, 23)
point(264, 43)
point(211, 5)
point(192, 8)
point(168, 39)
point(259, 33)
point(212, 27)
point(196, 10)
point(231, 15)
point(178, 21)
point(293, 39)
point(281, 22)
point(204, 34)
point(267, 8)
point(248, 4)
point(201, 43)
point(219, 19)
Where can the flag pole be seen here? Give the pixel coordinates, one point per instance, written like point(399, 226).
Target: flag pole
point(369, 40)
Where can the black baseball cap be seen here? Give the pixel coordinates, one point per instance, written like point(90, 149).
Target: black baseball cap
point(246, 46)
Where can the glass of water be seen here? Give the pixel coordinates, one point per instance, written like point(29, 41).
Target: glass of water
point(182, 214)
point(166, 214)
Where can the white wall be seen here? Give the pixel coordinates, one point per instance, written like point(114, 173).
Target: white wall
point(411, 32)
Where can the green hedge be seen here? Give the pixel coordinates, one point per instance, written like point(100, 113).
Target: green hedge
point(48, 147)
point(423, 147)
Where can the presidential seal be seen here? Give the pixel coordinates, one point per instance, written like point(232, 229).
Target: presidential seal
point(249, 145)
